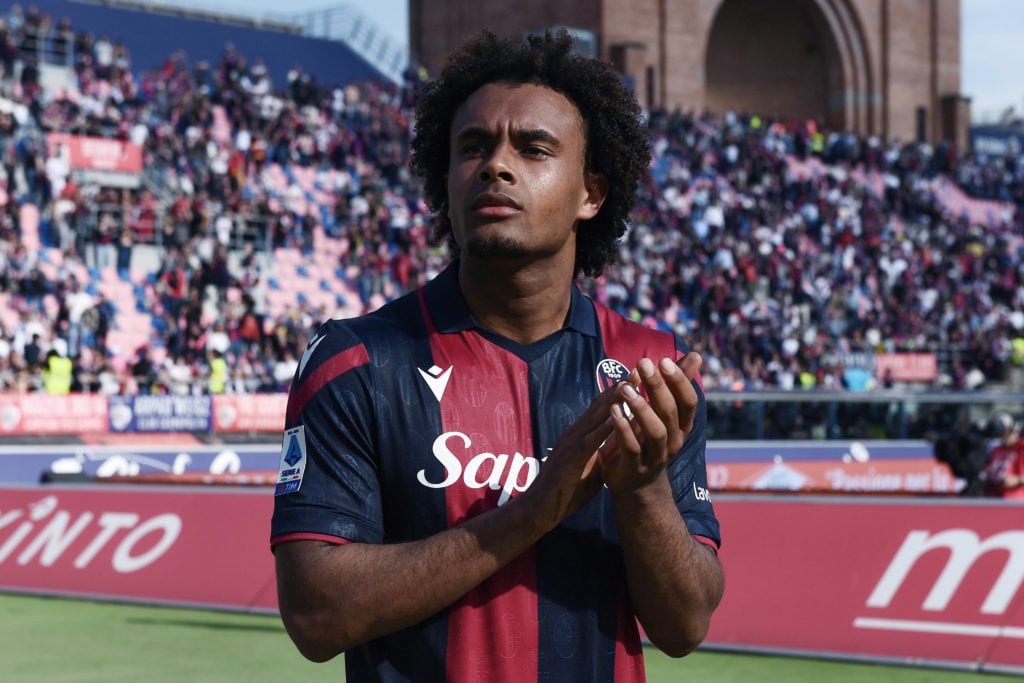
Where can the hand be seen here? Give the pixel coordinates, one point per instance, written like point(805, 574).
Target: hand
point(570, 476)
point(643, 444)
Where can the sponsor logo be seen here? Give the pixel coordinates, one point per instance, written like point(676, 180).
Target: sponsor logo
point(129, 464)
point(508, 473)
point(293, 461)
point(436, 379)
point(42, 534)
point(701, 493)
point(610, 372)
point(964, 548)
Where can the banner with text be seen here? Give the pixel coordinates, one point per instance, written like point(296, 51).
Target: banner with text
point(249, 412)
point(52, 414)
point(939, 581)
point(107, 161)
point(26, 464)
point(203, 547)
point(160, 413)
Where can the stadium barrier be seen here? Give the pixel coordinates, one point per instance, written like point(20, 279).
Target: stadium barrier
point(915, 581)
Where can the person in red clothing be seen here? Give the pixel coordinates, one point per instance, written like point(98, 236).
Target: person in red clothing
point(1004, 474)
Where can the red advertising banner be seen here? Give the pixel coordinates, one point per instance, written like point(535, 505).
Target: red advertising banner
point(89, 153)
point(907, 367)
point(894, 475)
point(938, 581)
point(207, 547)
point(249, 412)
point(53, 414)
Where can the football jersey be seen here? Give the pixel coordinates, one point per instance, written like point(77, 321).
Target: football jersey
point(404, 422)
point(1003, 460)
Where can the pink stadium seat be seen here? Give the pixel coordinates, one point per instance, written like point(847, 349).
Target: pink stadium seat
point(221, 125)
point(304, 176)
point(158, 353)
point(49, 270)
point(54, 255)
point(287, 255)
point(28, 218)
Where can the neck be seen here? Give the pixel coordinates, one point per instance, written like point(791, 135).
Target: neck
point(524, 303)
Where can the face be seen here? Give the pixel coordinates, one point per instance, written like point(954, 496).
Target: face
point(516, 182)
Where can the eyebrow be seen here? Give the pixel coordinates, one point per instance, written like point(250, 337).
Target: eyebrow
point(481, 133)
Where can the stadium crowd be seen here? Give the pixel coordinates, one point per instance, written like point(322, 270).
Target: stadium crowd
point(781, 251)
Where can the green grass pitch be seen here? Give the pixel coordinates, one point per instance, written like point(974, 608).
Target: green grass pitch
point(50, 640)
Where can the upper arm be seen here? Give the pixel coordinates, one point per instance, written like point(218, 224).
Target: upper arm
point(328, 455)
point(308, 574)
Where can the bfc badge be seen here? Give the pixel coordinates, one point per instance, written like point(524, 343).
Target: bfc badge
point(609, 373)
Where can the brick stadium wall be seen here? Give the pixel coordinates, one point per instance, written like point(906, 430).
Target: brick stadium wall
point(866, 66)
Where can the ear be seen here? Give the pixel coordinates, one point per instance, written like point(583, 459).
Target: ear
point(596, 187)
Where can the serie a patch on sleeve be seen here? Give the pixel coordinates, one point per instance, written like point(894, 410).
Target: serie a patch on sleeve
point(293, 461)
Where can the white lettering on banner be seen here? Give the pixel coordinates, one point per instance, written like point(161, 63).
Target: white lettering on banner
point(52, 540)
point(965, 548)
point(470, 474)
point(169, 524)
point(226, 461)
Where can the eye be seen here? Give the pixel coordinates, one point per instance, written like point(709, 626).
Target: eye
point(473, 149)
point(535, 151)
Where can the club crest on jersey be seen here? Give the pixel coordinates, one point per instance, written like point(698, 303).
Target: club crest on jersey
point(609, 373)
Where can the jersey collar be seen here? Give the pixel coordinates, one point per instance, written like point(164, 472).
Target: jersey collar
point(451, 313)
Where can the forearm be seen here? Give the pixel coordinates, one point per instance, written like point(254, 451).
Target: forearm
point(334, 597)
point(675, 582)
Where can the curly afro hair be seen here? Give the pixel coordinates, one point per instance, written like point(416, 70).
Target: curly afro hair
point(616, 140)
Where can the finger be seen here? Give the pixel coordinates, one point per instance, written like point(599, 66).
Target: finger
point(679, 378)
point(661, 399)
point(651, 432)
point(623, 441)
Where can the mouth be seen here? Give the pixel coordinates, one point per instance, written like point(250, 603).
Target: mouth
point(495, 204)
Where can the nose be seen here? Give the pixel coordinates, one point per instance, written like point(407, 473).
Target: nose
point(496, 166)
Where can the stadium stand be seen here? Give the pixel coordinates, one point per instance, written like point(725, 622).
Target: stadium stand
point(270, 199)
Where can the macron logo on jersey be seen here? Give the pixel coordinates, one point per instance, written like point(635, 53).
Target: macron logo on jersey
point(310, 348)
point(436, 379)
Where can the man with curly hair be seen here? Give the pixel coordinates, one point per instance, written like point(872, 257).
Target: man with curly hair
point(494, 477)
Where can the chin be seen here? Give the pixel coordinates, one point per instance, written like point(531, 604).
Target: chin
point(495, 248)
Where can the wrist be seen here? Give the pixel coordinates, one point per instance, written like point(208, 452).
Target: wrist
point(654, 493)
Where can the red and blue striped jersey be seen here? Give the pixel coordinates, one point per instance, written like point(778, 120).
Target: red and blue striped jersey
point(404, 422)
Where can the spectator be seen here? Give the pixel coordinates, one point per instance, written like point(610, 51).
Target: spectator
point(1004, 473)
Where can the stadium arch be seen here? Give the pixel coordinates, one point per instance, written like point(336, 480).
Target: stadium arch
point(819, 66)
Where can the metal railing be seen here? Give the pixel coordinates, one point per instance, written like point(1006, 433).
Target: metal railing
point(345, 23)
point(829, 415)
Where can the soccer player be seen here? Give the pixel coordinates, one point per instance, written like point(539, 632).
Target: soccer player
point(494, 477)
